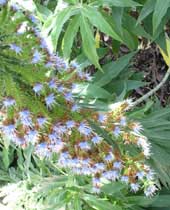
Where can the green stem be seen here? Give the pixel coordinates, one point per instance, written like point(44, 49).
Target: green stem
point(147, 95)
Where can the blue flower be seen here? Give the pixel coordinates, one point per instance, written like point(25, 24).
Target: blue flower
point(96, 139)
point(111, 175)
point(33, 19)
point(123, 121)
point(9, 130)
point(17, 140)
point(86, 171)
point(3, 2)
point(99, 167)
point(49, 64)
point(41, 121)
point(43, 44)
point(75, 108)
point(60, 88)
point(70, 124)
point(32, 136)
point(140, 175)
point(8, 102)
point(117, 165)
point(117, 131)
point(37, 32)
point(52, 84)
point(53, 137)
point(38, 88)
point(36, 57)
point(25, 117)
point(60, 129)
point(88, 76)
point(96, 181)
point(125, 179)
point(134, 187)
point(102, 118)
point(150, 175)
point(50, 100)
point(84, 129)
point(84, 145)
point(58, 146)
point(109, 157)
point(68, 97)
point(15, 48)
point(150, 190)
point(42, 150)
point(15, 7)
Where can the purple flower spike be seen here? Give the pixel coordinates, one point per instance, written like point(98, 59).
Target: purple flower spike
point(15, 48)
point(50, 100)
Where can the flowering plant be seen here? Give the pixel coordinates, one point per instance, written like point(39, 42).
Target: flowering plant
point(39, 107)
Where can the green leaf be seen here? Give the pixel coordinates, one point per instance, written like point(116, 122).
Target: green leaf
point(160, 11)
point(61, 18)
point(100, 204)
point(69, 36)
point(88, 42)
point(112, 70)
point(120, 3)
point(146, 10)
point(113, 188)
point(98, 20)
point(91, 90)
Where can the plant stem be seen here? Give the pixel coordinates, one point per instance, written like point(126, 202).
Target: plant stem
point(147, 95)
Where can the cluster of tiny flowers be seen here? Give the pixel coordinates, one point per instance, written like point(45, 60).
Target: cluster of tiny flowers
point(79, 147)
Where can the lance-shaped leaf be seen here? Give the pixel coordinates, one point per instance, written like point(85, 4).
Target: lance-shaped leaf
point(160, 11)
point(69, 36)
point(88, 42)
point(61, 18)
point(118, 3)
point(112, 70)
point(146, 10)
point(99, 21)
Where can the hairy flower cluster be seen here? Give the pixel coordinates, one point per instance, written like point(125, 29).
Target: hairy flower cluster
point(89, 143)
